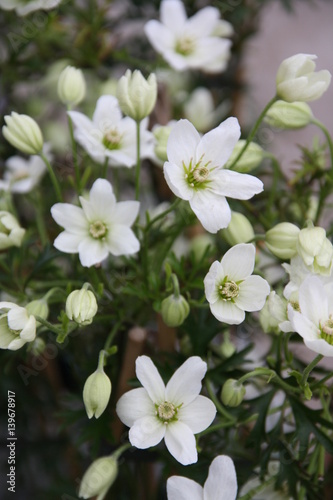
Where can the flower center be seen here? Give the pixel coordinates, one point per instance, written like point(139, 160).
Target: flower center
point(185, 45)
point(166, 412)
point(197, 176)
point(228, 290)
point(295, 305)
point(97, 229)
point(326, 330)
point(112, 138)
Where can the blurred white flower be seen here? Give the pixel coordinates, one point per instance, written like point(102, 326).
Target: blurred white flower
point(100, 227)
point(221, 483)
point(17, 326)
point(296, 79)
point(200, 109)
point(71, 86)
point(24, 7)
point(11, 233)
point(195, 171)
point(190, 43)
point(23, 132)
point(314, 320)
point(109, 135)
point(174, 412)
point(230, 287)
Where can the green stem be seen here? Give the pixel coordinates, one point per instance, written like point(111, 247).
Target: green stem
point(309, 369)
point(172, 207)
point(253, 131)
point(175, 284)
point(138, 162)
point(54, 179)
point(101, 357)
point(112, 335)
point(49, 325)
point(218, 405)
point(74, 152)
point(329, 141)
point(257, 373)
point(121, 450)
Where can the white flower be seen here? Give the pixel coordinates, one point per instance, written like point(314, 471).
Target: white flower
point(11, 233)
point(195, 171)
point(189, 43)
point(296, 79)
point(100, 227)
point(21, 175)
point(200, 109)
point(108, 135)
point(229, 287)
point(24, 7)
point(221, 483)
point(17, 326)
point(316, 250)
point(314, 322)
point(174, 412)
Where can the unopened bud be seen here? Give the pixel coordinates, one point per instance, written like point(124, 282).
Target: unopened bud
point(23, 133)
point(232, 393)
point(96, 393)
point(250, 159)
point(289, 115)
point(239, 230)
point(81, 306)
point(71, 86)
point(174, 310)
point(38, 307)
point(281, 240)
point(98, 478)
point(136, 95)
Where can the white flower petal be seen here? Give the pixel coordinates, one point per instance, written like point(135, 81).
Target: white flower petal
point(303, 325)
point(182, 143)
point(17, 318)
point(70, 217)
point(107, 113)
point(102, 198)
point(320, 346)
point(180, 441)
point(203, 22)
point(252, 293)
point(146, 432)
point(227, 312)
point(236, 185)
point(125, 212)
point(211, 209)
point(182, 488)
point(217, 145)
point(185, 384)
point(16, 343)
point(28, 333)
point(198, 415)
point(214, 276)
point(160, 37)
point(133, 405)
point(173, 16)
point(238, 262)
point(175, 177)
point(221, 478)
point(68, 242)
point(92, 252)
point(313, 299)
point(149, 377)
point(122, 241)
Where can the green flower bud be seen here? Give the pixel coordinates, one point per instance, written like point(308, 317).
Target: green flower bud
point(315, 249)
point(161, 135)
point(38, 307)
point(38, 346)
point(240, 230)
point(232, 393)
point(11, 233)
point(98, 478)
point(250, 159)
point(289, 115)
point(136, 95)
point(174, 310)
point(281, 240)
point(81, 306)
point(23, 133)
point(71, 86)
point(227, 348)
point(96, 393)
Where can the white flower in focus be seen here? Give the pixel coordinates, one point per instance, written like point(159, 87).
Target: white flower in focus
point(109, 135)
point(189, 43)
point(100, 227)
point(11, 233)
point(17, 326)
point(24, 7)
point(174, 412)
point(221, 483)
point(296, 79)
point(230, 287)
point(195, 171)
point(314, 321)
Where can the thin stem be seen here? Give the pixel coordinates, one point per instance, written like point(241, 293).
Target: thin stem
point(121, 450)
point(101, 357)
point(54, 179)
point(309, 368)
point(112, 335)
point(173, 205)
point(253, 131)
point(74, 152)
point(175, 284)
point(138, 162)
point(328, 138)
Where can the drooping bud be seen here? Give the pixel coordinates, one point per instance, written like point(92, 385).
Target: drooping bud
point(71, 86)
point(174, 310)
point(281, 240)
point(11, 233)
point(232, 393)
point(96, 393)
point(23, 133)
point(136, 95)
point(81, 306)
point(289, 115)
point(98, 478)
point(240, 230)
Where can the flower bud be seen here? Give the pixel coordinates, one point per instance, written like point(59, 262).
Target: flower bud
point(289, 115)
point(136, 95)
point(174, 310)
point(23, 133)
point(11, 234)
point(250, 159)
point(38, 307)
point(281, 240)
point(240, 229)
point(96, 393)
point(315, 249)
point(71, 86)
point(99, 477)
point(227, 348)
point(38, 346)
point(81, 306)
point(232, 393)
point(161, 135)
